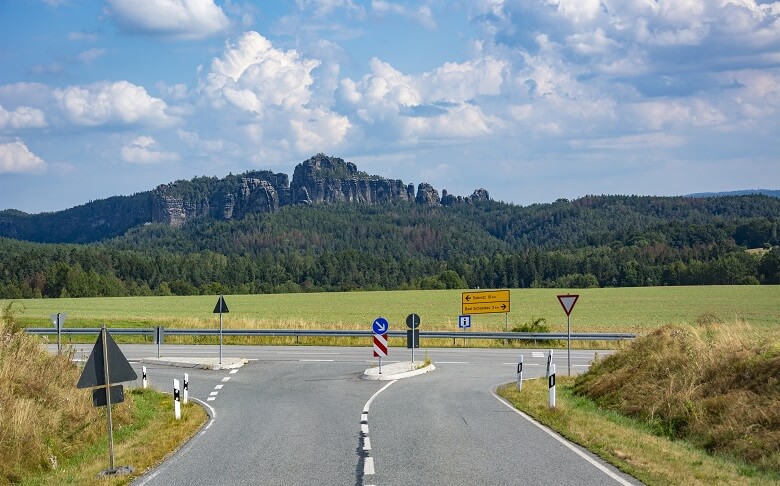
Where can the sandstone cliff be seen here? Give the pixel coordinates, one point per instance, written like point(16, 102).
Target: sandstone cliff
point(319, 180)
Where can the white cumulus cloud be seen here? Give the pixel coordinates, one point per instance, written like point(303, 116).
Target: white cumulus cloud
point(178, 19)
point(111, 103)
point(273, 88)
point(15, 157)
point(432, 105)
point(21, 118)
point(143, 150)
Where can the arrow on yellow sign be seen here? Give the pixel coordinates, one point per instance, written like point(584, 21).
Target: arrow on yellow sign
point(486, 308)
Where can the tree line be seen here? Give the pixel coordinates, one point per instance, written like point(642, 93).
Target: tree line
point(597, 241)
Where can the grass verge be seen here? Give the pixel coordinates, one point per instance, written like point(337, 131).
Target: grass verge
point(686, 404)
point(629, 444)
point(51, 434)
point(138, 443)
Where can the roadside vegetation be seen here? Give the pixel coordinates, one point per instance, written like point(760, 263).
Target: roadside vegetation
point(51, 434)
point(686, 404)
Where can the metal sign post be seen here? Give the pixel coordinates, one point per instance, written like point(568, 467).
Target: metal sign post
point(107, 364)
point(412, 339)
point(58, 320)
point(567, 302)
point(464, 322)
point(107, 378)
point(220, 308)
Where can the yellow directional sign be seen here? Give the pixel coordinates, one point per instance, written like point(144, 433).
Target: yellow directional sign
point(485, 302)
point(487, 308)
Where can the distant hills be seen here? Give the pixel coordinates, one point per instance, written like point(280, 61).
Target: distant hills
point(336, 228)
point(319, 180)
point(746, 192)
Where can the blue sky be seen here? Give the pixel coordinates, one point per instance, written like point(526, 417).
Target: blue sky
point(533, 100)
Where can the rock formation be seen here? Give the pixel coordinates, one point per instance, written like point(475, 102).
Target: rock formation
point(320, 180)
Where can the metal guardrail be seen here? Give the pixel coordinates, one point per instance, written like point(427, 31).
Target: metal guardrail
point(297, 333)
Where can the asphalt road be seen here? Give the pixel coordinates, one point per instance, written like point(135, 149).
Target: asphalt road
point(301, 415)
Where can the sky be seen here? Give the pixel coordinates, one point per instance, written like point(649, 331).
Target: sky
point(533, 100)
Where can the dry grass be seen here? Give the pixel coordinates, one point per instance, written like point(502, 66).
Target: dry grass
point(628, 444)
point(51, 434)
point(714, 385)
point(43, 417)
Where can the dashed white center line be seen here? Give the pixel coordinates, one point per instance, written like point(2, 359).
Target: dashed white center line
point(537, 354)
point(368, 466)
point(213, 395)
point(368, 461)
point(452, 362)
point(316, 360)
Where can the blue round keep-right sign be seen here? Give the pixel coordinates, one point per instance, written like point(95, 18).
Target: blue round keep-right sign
point(381, 325)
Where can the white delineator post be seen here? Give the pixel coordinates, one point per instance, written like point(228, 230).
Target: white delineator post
point(520, 372)
point(176, 400)
point(144, 382)
point(185, 397)
point(551, 385)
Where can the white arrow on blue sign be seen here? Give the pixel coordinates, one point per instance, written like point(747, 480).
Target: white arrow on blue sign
point(381, 325)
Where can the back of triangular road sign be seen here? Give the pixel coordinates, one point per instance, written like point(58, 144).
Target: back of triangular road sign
point(567, 302)
point(119, 368)
point(221, 306)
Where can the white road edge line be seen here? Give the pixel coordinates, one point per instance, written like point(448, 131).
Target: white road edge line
point(368, 461)
point(563, 441)
point(212, 414)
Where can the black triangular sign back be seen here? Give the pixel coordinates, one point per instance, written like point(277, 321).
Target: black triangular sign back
point(223, 308)
point(119, 368)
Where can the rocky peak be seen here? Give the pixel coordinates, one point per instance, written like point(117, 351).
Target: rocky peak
point(324, 179)
point(427, 195)
point(480, 195)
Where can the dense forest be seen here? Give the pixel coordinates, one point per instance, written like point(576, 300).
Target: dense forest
point(595, 241)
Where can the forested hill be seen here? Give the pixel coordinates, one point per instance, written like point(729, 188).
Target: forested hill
point(322, 179)
point(403, 244)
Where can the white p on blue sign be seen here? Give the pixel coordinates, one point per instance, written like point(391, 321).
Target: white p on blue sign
point(464, 321)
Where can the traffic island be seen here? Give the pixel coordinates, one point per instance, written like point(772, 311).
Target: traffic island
point(200, 363)
point(396, 371)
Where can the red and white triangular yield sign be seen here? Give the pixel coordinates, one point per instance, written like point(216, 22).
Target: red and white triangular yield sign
point(380, 345)
point(567, 302)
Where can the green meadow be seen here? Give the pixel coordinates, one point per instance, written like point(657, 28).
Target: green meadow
point(636, 310)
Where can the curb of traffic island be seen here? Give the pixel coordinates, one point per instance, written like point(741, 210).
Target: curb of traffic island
point(396, 371)
point(200, 363)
